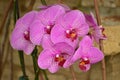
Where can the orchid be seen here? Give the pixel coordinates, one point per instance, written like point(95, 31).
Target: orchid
point(44, 22)
point(20, 37)
point(69, 27)
point(87, 54)
point(64, 35)
point(53, 58)
point(96, 32)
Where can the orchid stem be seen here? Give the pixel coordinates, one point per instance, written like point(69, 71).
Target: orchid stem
point(21, 56)
point(43, 2)
point(73, 73)
point(37, 75)
point(100, 41)
point(36, 69)
point(34, 57)
point(16, 11)
point(45, 75)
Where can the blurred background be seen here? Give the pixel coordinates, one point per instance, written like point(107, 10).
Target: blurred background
point(10, 68)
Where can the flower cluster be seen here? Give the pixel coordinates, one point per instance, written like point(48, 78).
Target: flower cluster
point(66, 36)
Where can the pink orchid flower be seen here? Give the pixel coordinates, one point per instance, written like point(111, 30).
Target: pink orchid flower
point(53, 58)
point(86, 54)
point(20, 37)
point(69, 27)
point(44, 22)
point(96, 32)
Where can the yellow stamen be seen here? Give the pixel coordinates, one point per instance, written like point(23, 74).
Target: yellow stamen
point(82, 63)
point(73, 35)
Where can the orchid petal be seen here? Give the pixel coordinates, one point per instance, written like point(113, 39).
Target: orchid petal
point(46, 42)
point(72, 19)
point(85, 44)
point(57, 34)
point(64, 48)
point(36, 32)
point(29, 48)
point(68, 62)
point(54, 67)
point(45, 59)
point(77, 55)
point(91, 19)
point(50, 14)
point(83, 29)
point(95, 55)
point(17, 39)
point(28, 18)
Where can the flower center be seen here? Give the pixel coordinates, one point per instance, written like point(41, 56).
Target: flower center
point(48, 28)
point(27, 35)
point(60, 59)
point(83, 62)
point(91, 31)
point(102, 31)
point(72, 34)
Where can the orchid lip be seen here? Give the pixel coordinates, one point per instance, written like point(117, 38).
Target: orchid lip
point(102, 31)
point(48, 28)
point(27, 35)
point(71, 34)
point(83, 62)
point(60, 59)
